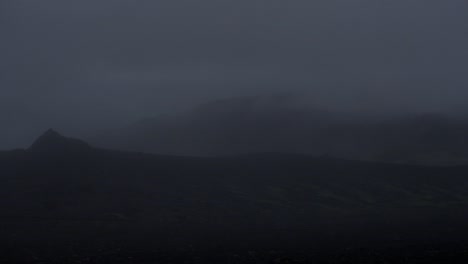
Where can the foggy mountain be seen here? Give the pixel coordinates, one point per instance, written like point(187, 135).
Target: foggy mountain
point(342, 138)
point(254, 124)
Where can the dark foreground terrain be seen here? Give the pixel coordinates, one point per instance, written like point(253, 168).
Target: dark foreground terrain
point(63, 201)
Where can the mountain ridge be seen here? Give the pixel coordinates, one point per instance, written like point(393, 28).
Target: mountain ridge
point(253, 124)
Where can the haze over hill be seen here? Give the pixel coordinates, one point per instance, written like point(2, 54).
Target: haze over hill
point(283, 124)
point(233, 131)
point(83, 66)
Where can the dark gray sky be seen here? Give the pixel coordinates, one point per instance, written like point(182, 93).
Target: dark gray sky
point(89, 64)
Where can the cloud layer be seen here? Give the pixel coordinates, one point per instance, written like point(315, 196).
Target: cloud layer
point(85, 65)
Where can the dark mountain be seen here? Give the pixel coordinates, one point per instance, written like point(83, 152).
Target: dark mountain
point(99, 198)
point(231, 126)
point(284, 124)
point(52, 142)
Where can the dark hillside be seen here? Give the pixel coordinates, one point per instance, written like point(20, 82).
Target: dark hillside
point(67, 191)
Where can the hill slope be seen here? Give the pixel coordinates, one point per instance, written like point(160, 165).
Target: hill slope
point(69, 191)
point(259, 124)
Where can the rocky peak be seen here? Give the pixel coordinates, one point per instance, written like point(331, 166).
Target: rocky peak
point(52, 141)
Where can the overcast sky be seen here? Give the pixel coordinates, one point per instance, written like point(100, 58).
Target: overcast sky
point(80, 65)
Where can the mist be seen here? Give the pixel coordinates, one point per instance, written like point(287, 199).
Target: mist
point(85, 66)
point(233, 131)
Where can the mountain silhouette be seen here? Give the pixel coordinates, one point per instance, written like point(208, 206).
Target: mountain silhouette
point(52, 142)
point(230, 126)
point(276, 124)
